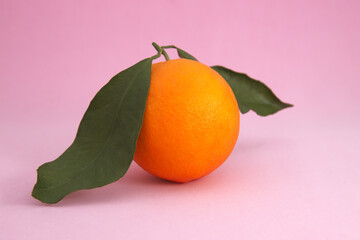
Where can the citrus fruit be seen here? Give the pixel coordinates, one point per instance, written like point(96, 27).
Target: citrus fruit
point(191, 121)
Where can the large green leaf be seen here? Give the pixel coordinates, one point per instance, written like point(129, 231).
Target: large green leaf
point(106, 139)
point(251, 94)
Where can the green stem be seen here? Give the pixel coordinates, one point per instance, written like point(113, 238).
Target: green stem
point(161, 51)
point(157, 49)
point(165, 55)
point(169, 46)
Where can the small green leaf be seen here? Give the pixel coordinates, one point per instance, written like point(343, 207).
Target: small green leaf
point(251, 94)
point(184, 54)
point(106, 139)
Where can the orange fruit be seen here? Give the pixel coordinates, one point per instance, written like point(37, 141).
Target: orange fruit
point(191, 121)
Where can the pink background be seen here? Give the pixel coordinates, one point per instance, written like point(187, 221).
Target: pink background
point(294, 175)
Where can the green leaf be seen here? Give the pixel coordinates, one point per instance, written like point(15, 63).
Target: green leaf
point(106, 139)
point(184, 54)
point(251, 94)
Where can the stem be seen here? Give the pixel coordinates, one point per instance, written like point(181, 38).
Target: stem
point(156, 56)
point(157, 49)
point(169, 46)
point(161, 51)
point(165, 55)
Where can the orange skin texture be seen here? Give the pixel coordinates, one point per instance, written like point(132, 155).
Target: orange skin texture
point(191, 121)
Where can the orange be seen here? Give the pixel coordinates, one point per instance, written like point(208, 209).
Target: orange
point(191, 121)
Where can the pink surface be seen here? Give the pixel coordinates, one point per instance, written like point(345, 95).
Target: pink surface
point(294, 175)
